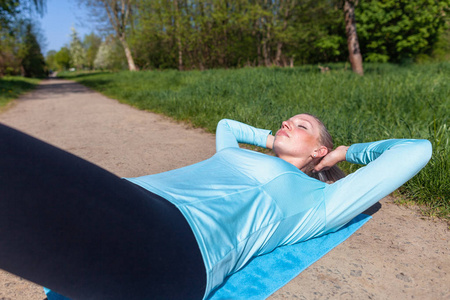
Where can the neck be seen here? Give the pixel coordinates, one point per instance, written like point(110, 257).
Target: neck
point(303, 164)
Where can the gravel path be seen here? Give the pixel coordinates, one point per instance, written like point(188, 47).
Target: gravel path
point(399, 254)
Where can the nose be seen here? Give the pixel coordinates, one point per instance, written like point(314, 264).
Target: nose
point(286, 125)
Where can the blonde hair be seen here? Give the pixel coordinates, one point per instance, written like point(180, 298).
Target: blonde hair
point(334, 173)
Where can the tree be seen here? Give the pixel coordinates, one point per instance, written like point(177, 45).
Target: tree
point(91, 44)
point(110, 56)
point(32, 60)
point(77, 51)
point(283, 36)
point(103, 56)
point(203, 34)
point(117, 13)
point(8, 9)
point(9, 63)
point(50, 60)
point(352, 37)
point(37, 5)
point(441, 50)
point(11, 8)
point(177, 17)
point(315, 33)
point(62, 59)
point(395, 30)
point(13, 32)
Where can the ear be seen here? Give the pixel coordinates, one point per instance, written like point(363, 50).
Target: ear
point(321, 151)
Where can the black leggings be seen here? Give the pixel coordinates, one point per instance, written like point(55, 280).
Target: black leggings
point(83, 232)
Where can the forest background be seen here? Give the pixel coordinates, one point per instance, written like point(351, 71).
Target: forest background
point(205, 34)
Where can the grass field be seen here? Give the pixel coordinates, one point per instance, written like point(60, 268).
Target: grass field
point(388, 102)
point(13, 86)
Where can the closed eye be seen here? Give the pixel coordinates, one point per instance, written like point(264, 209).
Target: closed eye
point(301, 126)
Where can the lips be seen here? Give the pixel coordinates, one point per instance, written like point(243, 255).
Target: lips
point(281, 133)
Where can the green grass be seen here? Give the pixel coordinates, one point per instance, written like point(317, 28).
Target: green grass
point(12, 87)
point(388, 102)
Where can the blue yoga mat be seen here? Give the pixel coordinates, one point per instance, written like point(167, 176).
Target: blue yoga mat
point(265, 274)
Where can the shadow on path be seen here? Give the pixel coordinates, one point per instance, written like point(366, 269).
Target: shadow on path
point(55, 87)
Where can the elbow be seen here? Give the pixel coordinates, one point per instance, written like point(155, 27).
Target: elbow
point(425, 150)
point(222, 123)
point(413, 156)
point(418, 154)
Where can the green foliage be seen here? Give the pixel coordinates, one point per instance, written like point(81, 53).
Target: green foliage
point(8, 9)
point(13, 87)
point(318, 33)
point(91, 43)
point(396, 30)
point(388, 102)
point(77, 51)
point(205, 34)
point(20, 53)
point(50, 60)
point(80, 54)
point(102, 59)
point(62, 59)
point(9, 64)
point(32, 60)
point(217, 33)
point(441, 51)
point(110, 56)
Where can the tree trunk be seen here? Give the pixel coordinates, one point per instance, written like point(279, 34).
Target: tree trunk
point(118, 15)
point(180, 54)
point(258, 52)
point(278, 55)
point(130, 60)
point(266, 54)
point(266, 46)
point(258, 38)
point(178, 35)
point(352, 38)
point(287, 9)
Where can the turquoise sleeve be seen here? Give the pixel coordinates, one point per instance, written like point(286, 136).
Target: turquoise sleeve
point(389, 164)
point(229, 133)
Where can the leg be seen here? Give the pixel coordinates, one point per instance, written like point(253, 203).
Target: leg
point(87, 234)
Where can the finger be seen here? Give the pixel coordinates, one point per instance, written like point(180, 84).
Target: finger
point(320, 167)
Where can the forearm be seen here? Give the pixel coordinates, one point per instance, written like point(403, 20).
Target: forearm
point(229, 133)
point(341, 153)
point(332, 158)
point(389, 164)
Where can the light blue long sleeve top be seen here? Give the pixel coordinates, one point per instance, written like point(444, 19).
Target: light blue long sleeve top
point(241, 203)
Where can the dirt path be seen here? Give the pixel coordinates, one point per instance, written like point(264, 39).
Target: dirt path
point(396, 255)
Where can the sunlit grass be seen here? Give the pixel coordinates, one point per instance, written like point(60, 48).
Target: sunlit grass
point(388, 102)
point(12, 87)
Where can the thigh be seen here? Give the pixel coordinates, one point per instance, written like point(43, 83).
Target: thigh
point(87, 234)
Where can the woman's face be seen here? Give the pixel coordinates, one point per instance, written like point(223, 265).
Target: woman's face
point(298, 138)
